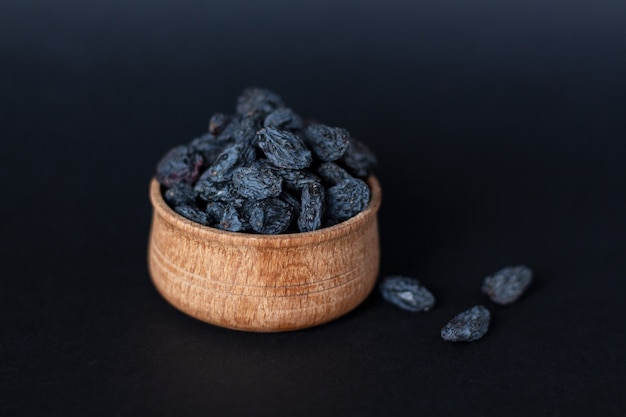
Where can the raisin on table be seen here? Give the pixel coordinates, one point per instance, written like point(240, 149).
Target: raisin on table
point(467, 326)
point(407, 293)
point(508, 284)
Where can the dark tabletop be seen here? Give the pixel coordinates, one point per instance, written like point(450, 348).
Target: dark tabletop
point(500, 128)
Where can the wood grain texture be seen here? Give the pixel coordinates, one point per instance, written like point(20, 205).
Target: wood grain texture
point(263, 283)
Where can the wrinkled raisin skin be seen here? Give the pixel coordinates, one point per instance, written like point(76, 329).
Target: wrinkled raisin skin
point(327, 143)
point(256, 183)
point(359, 159)
point(332, 173)
point(283, 148)
point(180, 164)
point(283, 118)
point(468, 326)
point(406, 293)
point(192, 213)
point(234, 156)
point(346, 199)
point(182, 194)
point(218, 123)
point(508, 284)
point(312, 207)
point(233, 219)
point(258, 100)
point(270, 216)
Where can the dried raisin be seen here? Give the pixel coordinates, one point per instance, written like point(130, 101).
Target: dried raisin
point(359, 159)
point(256, 183)
point(332, 173)
point(283, 118)
point(327, 143)
point(346, 199)
point(270, 216)
point(234, 156)
point(180, 164)
point(181, 194)
point(508, 284)
point(283, 148)
point(258, 100)
point(192, 213)
point(312, 207)
point(407, 293)
point(467, 326)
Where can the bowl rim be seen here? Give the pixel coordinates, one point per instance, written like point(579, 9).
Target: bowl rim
point(162, 209)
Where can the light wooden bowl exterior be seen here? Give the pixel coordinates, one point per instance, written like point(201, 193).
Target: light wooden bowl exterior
point(263, 283)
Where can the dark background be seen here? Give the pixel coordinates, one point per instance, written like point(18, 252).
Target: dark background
point(500, 127)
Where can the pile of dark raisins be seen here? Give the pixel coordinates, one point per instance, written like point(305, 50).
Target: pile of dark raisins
point(266, 170)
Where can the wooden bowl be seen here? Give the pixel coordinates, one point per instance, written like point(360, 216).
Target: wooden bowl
point(264, 283)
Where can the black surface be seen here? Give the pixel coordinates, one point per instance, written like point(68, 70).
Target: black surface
point(500, 128)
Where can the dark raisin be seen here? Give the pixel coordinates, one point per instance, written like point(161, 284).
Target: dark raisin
point(311, 207)
point(181, 194)
point(256, 183)
point(347, 198)
point(332, 173)
point(296, 179)
point(508, 284)
point(359, 159)
point(192, 213)
point(258, 100)
point(218, 122)
point(215, 211)
point(407, 293)
point(209, 147)
point(233, 218)
point(284, 149)
point(270, 216)
point(327, 143)
point(234, 156)
point(246, 130)
point(214, 191)
point(180, 164)
point(284, 118)
point(288, 198)
point(468, 326)
point(228, 132)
